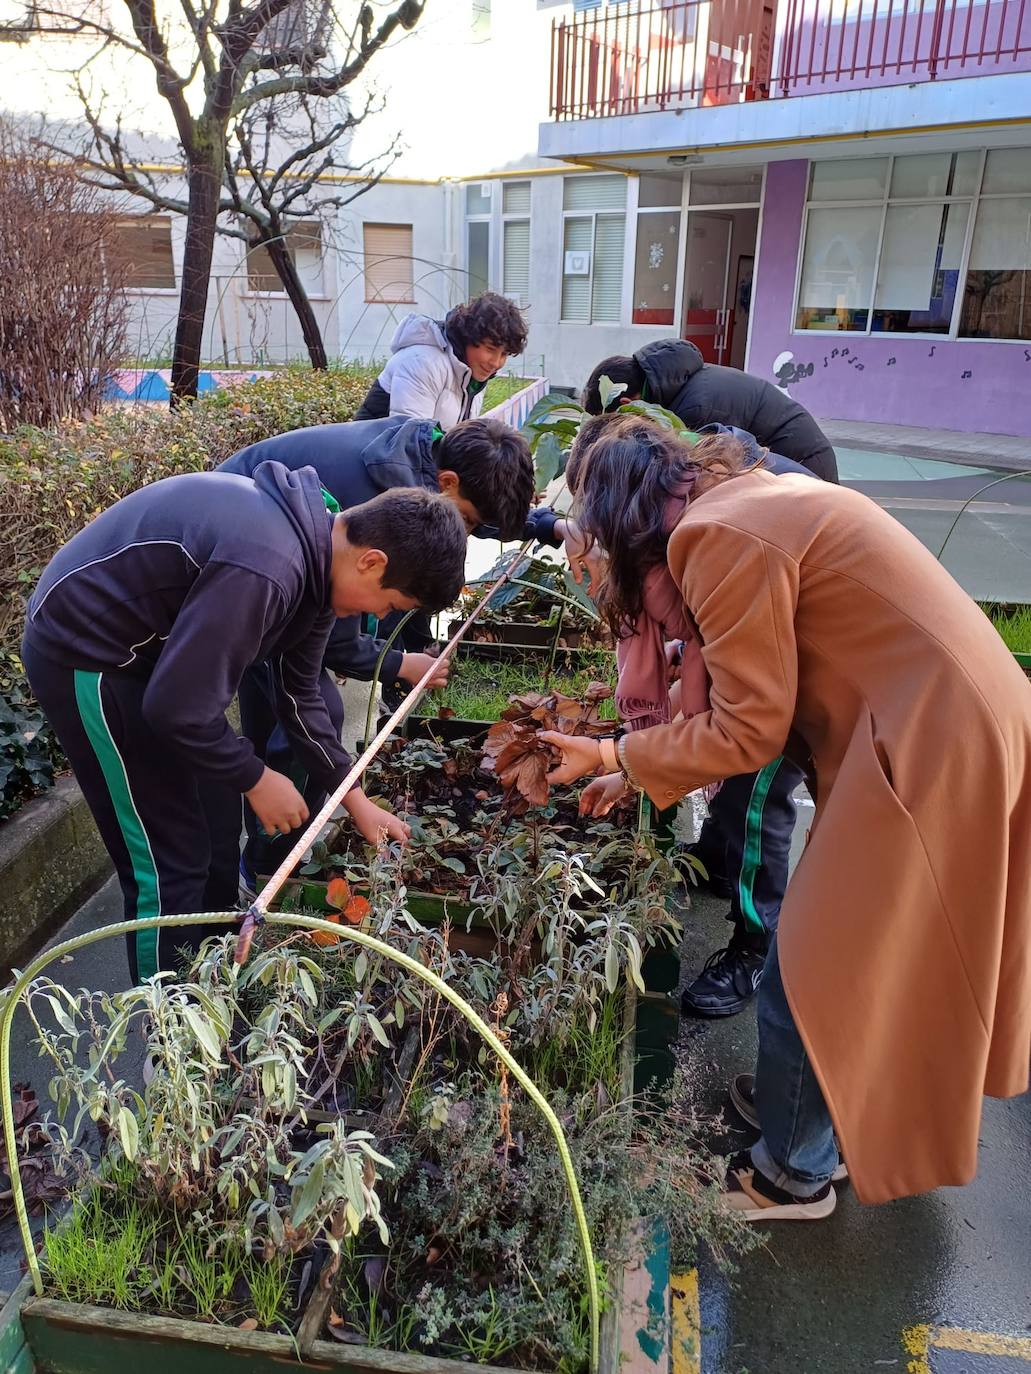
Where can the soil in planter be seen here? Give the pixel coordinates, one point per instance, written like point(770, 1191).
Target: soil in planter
point(463, 828)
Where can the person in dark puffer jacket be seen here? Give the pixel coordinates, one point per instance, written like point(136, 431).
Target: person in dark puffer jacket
point(671, 373)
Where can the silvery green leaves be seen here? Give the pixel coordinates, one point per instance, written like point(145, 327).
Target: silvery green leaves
point(213, 1131)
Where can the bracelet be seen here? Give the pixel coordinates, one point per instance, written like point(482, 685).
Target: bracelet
point(623, 764)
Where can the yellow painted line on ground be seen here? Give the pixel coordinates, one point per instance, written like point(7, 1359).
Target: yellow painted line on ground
point(686, 1335)
point(919, 1341)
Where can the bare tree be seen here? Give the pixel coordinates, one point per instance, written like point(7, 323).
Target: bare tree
point(62, 299)
point(241, 58)
point(273, 196)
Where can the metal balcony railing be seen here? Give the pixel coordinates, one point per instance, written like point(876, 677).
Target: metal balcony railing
point(622, 59)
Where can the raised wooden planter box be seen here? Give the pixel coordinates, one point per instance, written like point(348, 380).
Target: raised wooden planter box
point(47, 1336)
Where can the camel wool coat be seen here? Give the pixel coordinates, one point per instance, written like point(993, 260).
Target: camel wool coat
point(905, 934)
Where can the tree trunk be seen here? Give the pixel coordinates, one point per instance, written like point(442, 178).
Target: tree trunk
point(286, 270)
point(205, 187)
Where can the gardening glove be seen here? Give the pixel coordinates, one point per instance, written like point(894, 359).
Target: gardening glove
point(374, 823)
point(600, 796)
point(277, 803)
point(413, 666)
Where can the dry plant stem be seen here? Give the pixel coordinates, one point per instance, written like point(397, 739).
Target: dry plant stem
point(282, 873)
point(359, 937)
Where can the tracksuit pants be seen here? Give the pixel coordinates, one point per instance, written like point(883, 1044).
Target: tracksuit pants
point(262, 855)
point(172, 834)
point(747, 838)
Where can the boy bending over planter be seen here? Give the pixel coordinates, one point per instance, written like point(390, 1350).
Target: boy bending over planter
point(482, 467)
point(141, 629)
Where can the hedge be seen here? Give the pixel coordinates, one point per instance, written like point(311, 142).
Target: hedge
point(53, 482)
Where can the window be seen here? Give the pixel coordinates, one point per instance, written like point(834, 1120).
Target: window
point(515, 241)
point(479, 201)
point(593, 242)
point(658, 248)
point(388, 264)
point(304, 245)
point(997, 294)
point(142, 249)
point(933, 243)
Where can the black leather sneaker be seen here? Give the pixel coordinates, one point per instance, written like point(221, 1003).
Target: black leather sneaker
point(728, 982)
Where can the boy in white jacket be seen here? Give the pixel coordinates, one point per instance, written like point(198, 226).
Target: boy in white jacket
point(439, 370)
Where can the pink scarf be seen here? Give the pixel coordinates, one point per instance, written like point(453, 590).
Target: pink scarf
point(642, 692)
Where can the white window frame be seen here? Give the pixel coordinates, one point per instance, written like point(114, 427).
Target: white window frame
point(972, 201)
point(629, 210)
point(492, 235)
point(630, 266)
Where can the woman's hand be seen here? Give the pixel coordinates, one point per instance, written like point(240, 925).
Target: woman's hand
point(581, 558)
point(600, 796)
point(374, 824)
point(277, 803)
point(580, 755)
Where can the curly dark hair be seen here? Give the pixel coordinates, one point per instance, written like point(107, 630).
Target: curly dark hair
point(494, 469)
point(487, 317)
point(622, 472)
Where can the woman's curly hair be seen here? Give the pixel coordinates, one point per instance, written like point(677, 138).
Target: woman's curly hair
point(622, 472)
point(487, 318)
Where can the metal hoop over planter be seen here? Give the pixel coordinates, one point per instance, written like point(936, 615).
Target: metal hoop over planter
point(258, 914)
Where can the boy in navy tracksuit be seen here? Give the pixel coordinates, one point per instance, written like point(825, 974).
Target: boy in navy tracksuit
point(484, 469)
point(142, 627)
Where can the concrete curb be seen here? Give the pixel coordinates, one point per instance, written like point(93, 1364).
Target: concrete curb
point(51, 860)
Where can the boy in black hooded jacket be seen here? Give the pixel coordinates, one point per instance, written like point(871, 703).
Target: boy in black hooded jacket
point(671, 373)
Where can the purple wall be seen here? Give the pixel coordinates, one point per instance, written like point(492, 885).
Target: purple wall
point(937, 383)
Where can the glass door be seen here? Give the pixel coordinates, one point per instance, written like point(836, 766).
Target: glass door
point(708, 321)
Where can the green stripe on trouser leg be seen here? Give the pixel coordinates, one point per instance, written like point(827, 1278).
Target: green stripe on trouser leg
point(752, 859)
point(141, 856)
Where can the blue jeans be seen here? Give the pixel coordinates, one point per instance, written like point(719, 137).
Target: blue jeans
point(797, 1150)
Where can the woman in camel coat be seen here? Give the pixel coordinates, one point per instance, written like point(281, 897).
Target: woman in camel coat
point(904, 946)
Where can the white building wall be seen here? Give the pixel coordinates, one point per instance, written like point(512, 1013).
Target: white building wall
point(466, 104)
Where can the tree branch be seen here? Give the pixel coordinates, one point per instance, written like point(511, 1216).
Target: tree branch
point(171, 86)
point(405, 16)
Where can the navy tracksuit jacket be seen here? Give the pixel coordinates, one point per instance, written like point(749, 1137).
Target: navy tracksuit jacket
point(136, 640)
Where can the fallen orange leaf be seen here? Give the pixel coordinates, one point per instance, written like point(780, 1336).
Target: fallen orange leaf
point(356, 911)
point(323, 937)
point(338, 892)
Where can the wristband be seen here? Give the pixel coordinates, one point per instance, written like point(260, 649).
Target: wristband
point(609, 757)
